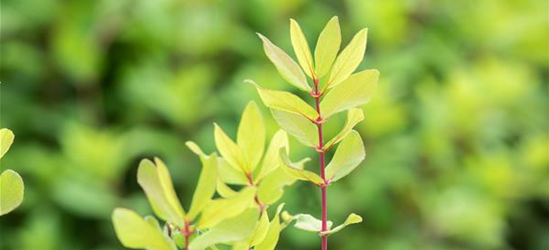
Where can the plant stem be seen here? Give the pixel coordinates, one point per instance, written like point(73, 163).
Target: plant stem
point(322, 159)
point(187, 233)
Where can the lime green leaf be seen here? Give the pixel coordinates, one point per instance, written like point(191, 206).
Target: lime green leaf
point(229, 174)
point(157, 184)
point(354, 116)
point(301, 48)
point(349, 154)
point(251, 135)
point(285, 101)
point(223, 190)
point(195, 148)
point(297, 126)
point(351, 219)
point(235, 229)
point(273, 233)
point(6, 139)
point(349, 59)
point(309, 223)
point(12, 191)
point(135, 232)
point(354, 91)
point(270, 160)
point(206, 186)
point(229, 150)
point(295, 171)
point(327, 47)
point(271, 188)
point(260, 231)
point(286, 66)
point(221, 209)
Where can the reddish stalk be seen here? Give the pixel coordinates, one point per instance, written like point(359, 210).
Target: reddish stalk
point(316, 95)
point(187, 233)
point(256, 198)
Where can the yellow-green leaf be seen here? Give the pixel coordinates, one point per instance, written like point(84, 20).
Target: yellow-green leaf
point(271, 188)
point(301, 48)
point(270, 160)
point(225, 208)
point(251, 135)
point(351, 219)
point(286, 66)
point(348, 60)
point(297, 126)
point(354, 91)
point(295, 171)
point(229, 174)
point(135, 232)
point(273, 233)
point(206, 186)
point(223, 190)
point(354, 116)
point(6, 139)
point(260, 230)
point(349, 154)
point(285, 101)
point(327, 47)
point(12, 191)
point(157, 184)
point(309, 223)
point(230, 151)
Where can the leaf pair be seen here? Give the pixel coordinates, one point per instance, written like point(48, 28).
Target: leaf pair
point(12, 188)
point(309, 223)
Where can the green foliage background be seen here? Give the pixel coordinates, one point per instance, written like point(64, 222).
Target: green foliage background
point(456, 134)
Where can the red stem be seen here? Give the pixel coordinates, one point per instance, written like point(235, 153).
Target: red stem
point(322, 157)
point(187, 233)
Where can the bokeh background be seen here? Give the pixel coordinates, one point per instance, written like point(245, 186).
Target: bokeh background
point(456, 134)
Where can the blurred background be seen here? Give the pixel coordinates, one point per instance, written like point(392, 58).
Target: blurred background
point(456, 134)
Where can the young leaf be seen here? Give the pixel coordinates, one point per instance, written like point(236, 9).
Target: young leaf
point(135, 232)
point(351, 219)
point(348, 60)
point(235, 229)
point(286, 66)
point(221, 209)
point(229, 174)
point(297, 126)
point(295, 171)
point(260, 231)
point(354, 116)
point(229, 150)
point(349, 154)
point(223, 190)
point(285, 101)
point(206, 186)
point(6, 139)
point(157, 184)
point(309, 223)
point(12, 191)
point(270, 160)
point(327, 47)
point(354, 91)
point(273, 233)
point(251, 134)
point(271, 187)
point(301, 48)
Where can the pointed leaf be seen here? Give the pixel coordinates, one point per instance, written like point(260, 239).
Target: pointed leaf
point(327, 47)
point(135, 232)
point(206, 186)
point(349, 154)
point(12, 191)
point(229, 174)
point(348, 60)
point(309, 223)
point(229, 150)
point(251, 134)
point(354, 91)
point(271, 188)
point(273, 233)
point(351, 219)
point(286, 66)
point(270, 160)
point(354, 116)
point(301, 48)
point(297, 126)
point(293, 170)
point(221, 209)
point(223, 190)
point(6, 139)
point(260, 231)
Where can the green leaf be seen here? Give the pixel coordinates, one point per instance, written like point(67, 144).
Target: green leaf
point(273, 233)
point(327, 47)
point(348, 60)
point(285, 101)
point(135, 232)
point(235, 229)
point(286, 66)
point(297, 126)
point(229, 174)
point(260, 231)
point(309, 223)
point(295, 171)
point(354, 91)
point(251, 135)
point(157, 184)
point(301, 48)
point(351, 219)
point(230, 151)
point(223, 190)
point(6, 139)
point(270, 160)
point(271, 188)
point(221, 209)
point(354, 116)
point(12, 191)
point(206, 186)
point(349, 154)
